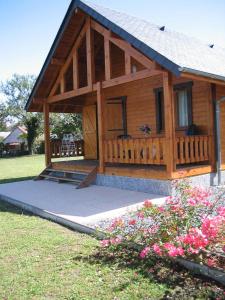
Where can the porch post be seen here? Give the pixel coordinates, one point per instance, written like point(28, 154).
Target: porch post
point(100, 113)
point(169, 124)
point(47, 134)
point(211, 126)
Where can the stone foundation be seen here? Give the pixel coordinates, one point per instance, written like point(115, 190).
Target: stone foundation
point(154, 186)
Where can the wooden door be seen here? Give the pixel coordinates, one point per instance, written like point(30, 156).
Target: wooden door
point(90, 132)
point(116, 119)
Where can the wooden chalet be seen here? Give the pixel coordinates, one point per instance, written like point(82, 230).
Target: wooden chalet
point(123, 73)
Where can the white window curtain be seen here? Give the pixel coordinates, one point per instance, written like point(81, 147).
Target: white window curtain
point(182, 108)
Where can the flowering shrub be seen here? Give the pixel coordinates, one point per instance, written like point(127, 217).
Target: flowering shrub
point(190, 224)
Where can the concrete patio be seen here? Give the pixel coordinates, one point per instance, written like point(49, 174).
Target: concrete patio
point(80, 209)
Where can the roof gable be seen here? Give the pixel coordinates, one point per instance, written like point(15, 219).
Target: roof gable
point(173, 51)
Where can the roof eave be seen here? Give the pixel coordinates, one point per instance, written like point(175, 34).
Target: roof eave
point(202, 73)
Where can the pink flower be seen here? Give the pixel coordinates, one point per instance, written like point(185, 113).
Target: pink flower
point(221, 211)
point(140, 215)
point(144, 252)
point(116, 241)
point(211, 262)
point(192, 202)
point(161, 208)
point(147, 203)
point(174, 251)
point(157, 249)
point(105, 243)
point(132, 222)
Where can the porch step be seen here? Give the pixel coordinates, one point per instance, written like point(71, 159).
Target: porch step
point(80, 179)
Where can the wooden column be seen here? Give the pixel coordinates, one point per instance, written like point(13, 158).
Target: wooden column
point(211, 125)
point(47, 134)
point(75, 70)
point(100, 113)
point(90, 54)
point(169, 124)
point(108, 70)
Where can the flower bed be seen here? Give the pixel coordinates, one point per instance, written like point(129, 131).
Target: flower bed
point(190, 225)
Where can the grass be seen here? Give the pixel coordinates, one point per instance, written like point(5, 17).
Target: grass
point(23, 167)
point(20, 168)
point(42, 260)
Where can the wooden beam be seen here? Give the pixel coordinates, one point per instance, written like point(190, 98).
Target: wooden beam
point(131, 77)
point(75, 71)
point(90, 56)
point(169, 123)
point(70, 94)
point(127, 64)
point(145, 61)
point(62, 85)
point(211, 125)
point(107, 59)
point(47, 134)
point(69, 58)
point(101, 116)
point(57, 61)
point(202, 78)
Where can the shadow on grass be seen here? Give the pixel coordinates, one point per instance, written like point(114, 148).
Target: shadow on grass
point(7, 207)
point(10, 180)
point(181, 284)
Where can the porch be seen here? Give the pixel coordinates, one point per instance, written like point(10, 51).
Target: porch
point(140, 157)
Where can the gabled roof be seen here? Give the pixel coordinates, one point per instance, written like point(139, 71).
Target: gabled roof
point(174, 51)
point(14, 137)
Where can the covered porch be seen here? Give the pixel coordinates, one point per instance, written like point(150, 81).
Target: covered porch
point(120, 91)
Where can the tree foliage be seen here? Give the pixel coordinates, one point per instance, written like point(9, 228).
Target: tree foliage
point(16, 91)
point(32, 124)
point(66, 123)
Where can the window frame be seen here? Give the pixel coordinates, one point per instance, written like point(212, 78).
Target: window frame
point(179, 87)
point(160, 117)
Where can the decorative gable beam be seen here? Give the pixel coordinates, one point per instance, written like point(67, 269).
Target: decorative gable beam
point(123, 45)
point(69, 58)
point(90, 54)
point(108, 70)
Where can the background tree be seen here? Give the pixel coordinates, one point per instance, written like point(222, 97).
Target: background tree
point(66, 123)
point(32, 124)
point(16, 91)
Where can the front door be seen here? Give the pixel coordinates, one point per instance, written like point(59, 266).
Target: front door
point(90, 132)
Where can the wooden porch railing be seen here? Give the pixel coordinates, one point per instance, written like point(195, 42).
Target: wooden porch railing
point(135, 151)
point(192, 149)
point(57, 151)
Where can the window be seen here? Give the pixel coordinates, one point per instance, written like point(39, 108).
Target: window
point(160, 126)
point(183, 107)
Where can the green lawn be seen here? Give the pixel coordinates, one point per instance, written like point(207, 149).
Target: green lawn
point(42, 260)
point(20, 168)
point(23, 167)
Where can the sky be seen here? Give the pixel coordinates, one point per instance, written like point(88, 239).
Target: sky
point(28, 27)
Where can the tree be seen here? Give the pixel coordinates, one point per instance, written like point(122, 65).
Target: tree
point(66, 123)
point(32, 124)
point(16, 92)
point(3, 115)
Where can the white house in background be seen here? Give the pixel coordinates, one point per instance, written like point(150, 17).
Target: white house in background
point(15, 141)
point(4, 134)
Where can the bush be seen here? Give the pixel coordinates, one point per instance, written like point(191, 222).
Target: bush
point(191, 224)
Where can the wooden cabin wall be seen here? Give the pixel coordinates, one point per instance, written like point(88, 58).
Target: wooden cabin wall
point(220, 92)
point(141, 107)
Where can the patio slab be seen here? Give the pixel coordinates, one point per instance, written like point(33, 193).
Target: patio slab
point(77, 208)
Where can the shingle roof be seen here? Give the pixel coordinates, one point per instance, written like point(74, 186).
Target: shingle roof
point(174, 51)
point(184, 52)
